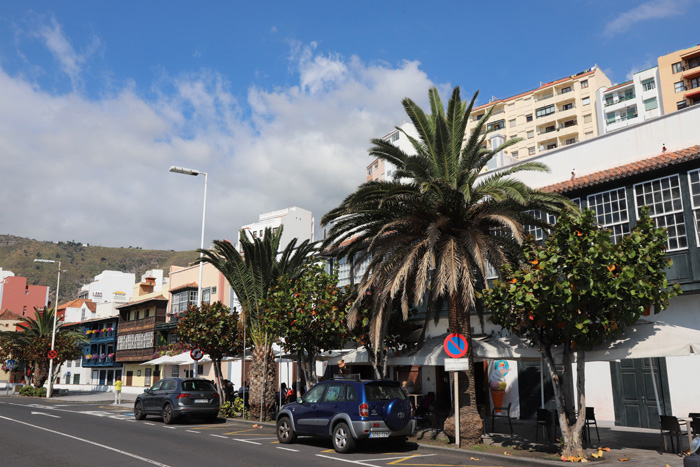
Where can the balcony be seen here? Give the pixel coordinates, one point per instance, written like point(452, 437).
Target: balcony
point(141, 324)
point(101, 336)
point(620, 99)
point(135, 355)
point(621, 118)
point(544, 131)
point(98, 362)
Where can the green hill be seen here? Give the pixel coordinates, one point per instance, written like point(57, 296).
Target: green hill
point(80, 263)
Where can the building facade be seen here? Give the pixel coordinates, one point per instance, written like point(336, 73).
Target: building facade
point(20, 298)
point(679, 74)
point(298, 223)
point(109, 286)
point(629, 103)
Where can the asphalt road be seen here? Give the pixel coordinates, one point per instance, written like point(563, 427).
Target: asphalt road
point(38, 432)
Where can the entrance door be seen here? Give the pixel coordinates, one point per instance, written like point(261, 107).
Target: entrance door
point(633, 392)
point(530, 389)
point(129, 377)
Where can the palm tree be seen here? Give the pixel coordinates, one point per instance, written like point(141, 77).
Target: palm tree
point(32, 343)
point(433, 230)
point(251, 274)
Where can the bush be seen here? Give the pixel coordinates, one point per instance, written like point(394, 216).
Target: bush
point(31, 391)
point(238, 407)
point(227, 410)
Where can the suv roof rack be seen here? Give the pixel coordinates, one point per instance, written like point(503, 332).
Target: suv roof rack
point(351, 377)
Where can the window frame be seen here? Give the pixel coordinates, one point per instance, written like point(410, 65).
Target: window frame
point(693, 205)
point(618, 228)
point(675, 213)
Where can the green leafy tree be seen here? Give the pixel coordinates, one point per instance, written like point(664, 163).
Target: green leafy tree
point(214, 328)
point(435, 227)
point(577, 291)
point(251, 274)
point(32, 344)
point(309, 314)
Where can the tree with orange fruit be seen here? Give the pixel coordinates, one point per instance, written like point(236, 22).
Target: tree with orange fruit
point(577, 291)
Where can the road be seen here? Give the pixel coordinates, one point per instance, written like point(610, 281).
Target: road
point(39, 432)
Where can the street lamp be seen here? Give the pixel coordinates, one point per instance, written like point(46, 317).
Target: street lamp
point(55, 314)
point(184, 171)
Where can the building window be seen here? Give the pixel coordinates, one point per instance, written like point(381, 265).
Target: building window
point(568, 106)
point(610, 209)
point(648, 84)
point(681, 104)
point(650, 104)
point(584, 84)
point(587, 118)
point(394, 136)
point(531, 150)
point(544, 111)
point(530, 134)
point(589, 135)
point(76, 378)
point(82, 315)
point(679, 87)
point(514, 154)
point(537, 232)
point(663, 197)
point(182, 300)
point(551, 146)
point(69, 363)
point(610, 118)
point(512, 123)
point(570, 141)
point(677, 67)
point(585, 101)
point(206, 295)
point(566, 89)
point(497, 125)
point(528, 118)
point(694, 182)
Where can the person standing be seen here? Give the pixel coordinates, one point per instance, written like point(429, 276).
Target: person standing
point(118, 391)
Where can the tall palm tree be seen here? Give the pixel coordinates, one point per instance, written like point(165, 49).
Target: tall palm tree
point(251, 273)
point(433, 230)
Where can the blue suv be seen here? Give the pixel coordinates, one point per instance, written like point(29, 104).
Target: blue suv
point(348, 410)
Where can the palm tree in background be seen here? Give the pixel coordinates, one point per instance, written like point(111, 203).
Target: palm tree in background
point(435, 228)
point(251, 273)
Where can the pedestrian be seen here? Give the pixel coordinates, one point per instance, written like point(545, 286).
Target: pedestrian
point(283, 394)
point(118, 391)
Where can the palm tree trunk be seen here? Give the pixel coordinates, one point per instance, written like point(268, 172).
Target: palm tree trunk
point(471, 424)
point(262, 380)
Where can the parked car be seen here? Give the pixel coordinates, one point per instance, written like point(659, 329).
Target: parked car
point(172, 398)
point(348, 410)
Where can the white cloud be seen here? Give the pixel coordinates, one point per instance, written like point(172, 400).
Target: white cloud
point(96, 171)
point(655, 9)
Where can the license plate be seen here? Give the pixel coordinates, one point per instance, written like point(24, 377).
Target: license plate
point(379, 434)
point(201, 401)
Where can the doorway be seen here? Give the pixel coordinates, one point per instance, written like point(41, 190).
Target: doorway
point(633, 391)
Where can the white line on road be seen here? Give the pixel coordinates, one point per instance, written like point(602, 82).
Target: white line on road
point(148, 423)
point(150, 461)
point(169, 427)
point(219, 436)
point(346, 460)
point(46, 414)
point(246, 441)
point(288, 449)
point(192, 431)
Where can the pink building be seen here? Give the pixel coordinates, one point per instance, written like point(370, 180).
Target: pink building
point(20, 298)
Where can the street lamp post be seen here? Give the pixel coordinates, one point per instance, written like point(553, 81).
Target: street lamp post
point(184, 171)
point(55, 314)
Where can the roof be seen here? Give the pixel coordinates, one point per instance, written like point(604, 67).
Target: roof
point(666, 159)
point(77, 303)
point(189, 285)
point(145, 300)
point(611, 88)
point(8, 315)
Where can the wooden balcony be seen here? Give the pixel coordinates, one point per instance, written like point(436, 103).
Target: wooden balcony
point(135, 355)
point(146, 324)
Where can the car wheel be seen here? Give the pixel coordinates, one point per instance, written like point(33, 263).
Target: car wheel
point(139, 414)
point(342, 439)
point(285, 432)
point(168, 416)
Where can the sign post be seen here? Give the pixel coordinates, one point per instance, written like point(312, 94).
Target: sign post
point(196, 354)
point(456, 347)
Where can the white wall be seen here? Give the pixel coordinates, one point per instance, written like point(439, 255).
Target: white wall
point(103, 288)
point(297, 222)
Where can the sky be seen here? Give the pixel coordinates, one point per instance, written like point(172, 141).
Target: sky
point(275, 100)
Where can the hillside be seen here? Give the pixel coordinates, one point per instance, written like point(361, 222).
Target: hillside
point(80, 263)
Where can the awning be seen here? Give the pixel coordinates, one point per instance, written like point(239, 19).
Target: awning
point(182, 359)
point(354, 357)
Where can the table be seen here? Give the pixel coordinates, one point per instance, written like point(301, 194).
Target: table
point(687, 421)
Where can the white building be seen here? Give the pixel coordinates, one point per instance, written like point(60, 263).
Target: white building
point(5, 274)
point(109, 286)
point(629, 103)
point(298, 223)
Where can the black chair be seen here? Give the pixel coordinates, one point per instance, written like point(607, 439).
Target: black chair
point(544, 421)
point(505, 413)
point(671, 428)
point(695, 426)
point(590, 420)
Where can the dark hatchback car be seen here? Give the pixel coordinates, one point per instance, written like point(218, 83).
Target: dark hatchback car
point(172, 398)
point(348, 410)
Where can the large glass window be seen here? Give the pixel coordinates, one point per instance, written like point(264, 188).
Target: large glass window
point(649, 84)
point(663, 197)
point(537, 232)
point(650, 104)
point(678, 86)
point(182, 300)
point(694, 182)
point(544, 111)
point(497, 125)
point(610, 209)
point(677, 67)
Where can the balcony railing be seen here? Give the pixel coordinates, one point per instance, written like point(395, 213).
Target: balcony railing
point(621, 99)
point(622, 118)
point(146, 323)
point(93, 362)
point(135, 354)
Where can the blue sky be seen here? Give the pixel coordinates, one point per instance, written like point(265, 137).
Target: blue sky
point(276, 100)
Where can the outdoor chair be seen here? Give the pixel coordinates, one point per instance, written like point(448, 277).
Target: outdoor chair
point(695, 426)
point(671, 428)
point(544, 421)
point(505, 413)
point(590, 420)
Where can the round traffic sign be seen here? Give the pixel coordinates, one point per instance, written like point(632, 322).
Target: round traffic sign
point(53, 354)
point(196, 354)
point(455, 345)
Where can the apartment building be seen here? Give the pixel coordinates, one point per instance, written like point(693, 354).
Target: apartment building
point(298, 223)
point(379, 169)
point(556, 114)
point(679, 74)
point(629, 103)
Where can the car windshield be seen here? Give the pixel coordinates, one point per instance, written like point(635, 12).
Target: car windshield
point(197, 386)
point(383, 392)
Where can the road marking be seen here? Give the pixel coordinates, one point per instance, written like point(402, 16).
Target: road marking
point(132, 421)
point(247, 441)
point(192, 431)
point(399, 458)
point(45, 414)
point(169, 427)
point(219, 436)
point(401, 462)
point(82, 440)
point(148, 423)
point(346, 460)
point(287, 449)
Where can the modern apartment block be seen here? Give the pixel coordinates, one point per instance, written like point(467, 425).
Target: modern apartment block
point(379, 169)
point(679, 74)
point(109, 286)
point(298, 223)
point(629, 103)
point(556, 114)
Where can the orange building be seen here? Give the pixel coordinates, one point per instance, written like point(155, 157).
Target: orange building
point(679, 76)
